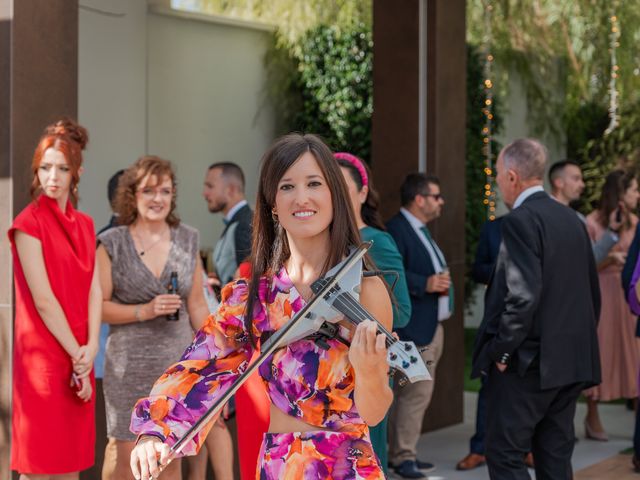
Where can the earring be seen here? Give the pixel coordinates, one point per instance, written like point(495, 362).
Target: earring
point(274, 216)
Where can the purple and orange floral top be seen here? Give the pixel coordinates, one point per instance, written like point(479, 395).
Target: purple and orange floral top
point(302, 379)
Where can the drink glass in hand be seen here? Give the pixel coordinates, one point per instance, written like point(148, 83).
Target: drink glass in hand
point(445, 273)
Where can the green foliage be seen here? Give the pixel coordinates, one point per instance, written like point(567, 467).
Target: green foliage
point(284, 88)
point(619, 149)
point(323, 84)
point(335, 67)
point(475, 210)
point(582, 123)
point(560, 50)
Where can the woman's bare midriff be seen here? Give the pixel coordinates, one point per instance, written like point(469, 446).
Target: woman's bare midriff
point(282, 423)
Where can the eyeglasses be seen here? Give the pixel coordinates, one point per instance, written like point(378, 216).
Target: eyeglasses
point(436, 196)
point(150, 193)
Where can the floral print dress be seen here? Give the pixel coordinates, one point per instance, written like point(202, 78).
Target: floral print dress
point(302, 379)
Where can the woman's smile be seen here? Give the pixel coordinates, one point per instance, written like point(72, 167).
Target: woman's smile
point(304, 213)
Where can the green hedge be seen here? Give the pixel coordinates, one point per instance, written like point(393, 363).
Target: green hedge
point(328, 87)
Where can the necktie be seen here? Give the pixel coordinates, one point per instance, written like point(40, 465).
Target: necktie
point(436, 250)
point(438, 254)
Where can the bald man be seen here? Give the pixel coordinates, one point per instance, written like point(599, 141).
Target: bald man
point(537, 344)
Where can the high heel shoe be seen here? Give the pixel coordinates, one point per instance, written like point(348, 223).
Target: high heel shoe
point(593, 435)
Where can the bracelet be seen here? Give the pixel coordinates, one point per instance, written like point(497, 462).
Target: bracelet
point(136, 314)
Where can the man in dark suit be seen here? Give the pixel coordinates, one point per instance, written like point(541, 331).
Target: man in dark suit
point(537, 343)
point(431, 302)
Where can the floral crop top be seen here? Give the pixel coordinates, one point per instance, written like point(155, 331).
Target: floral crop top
point(302, 379)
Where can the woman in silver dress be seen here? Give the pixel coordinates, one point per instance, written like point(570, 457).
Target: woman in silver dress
point(150, 327)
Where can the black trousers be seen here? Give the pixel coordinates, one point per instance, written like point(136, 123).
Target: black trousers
point(522, 418)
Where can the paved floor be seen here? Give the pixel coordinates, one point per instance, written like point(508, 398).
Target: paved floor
point(591, 459)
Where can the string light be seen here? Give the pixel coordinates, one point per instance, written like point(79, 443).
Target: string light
point(487, 111)
point(614, 43)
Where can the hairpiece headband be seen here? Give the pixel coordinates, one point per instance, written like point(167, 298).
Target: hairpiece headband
point(356, 162)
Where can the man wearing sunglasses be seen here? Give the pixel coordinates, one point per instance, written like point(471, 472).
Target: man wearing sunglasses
point(431, 295)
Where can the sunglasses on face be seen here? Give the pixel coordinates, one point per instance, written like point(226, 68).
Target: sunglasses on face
point(436, 196)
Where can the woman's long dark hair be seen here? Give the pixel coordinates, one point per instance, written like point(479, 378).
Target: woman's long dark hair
point(370, 214)
point(614, 188)
point(270, 248)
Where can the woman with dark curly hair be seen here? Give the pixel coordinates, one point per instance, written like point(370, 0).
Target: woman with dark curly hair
point(149, 327)
point(57, 316)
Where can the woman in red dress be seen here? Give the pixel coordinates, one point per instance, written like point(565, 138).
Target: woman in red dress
point(57, 320)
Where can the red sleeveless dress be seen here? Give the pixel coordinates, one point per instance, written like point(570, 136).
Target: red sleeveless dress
point(53, 430)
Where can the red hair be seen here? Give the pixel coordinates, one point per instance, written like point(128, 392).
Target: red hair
point(69, 138)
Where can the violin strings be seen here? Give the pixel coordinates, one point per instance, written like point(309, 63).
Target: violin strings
point(357, 313)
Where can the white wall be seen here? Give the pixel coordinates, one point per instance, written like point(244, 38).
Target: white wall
point(182, 86)
point(111, 94)
point(206, 84)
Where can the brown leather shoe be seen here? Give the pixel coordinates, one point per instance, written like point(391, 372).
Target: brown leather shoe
point(528, 460)
point(471, 461)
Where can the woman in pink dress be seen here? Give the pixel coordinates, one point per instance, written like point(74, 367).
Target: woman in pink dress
point(619, 349)
point(57, 322)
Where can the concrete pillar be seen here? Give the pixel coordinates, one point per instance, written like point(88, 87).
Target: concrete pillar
point(419, 92)
point(38, 83)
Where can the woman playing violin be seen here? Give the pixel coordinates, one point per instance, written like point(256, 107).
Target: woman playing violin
point(322, 399)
